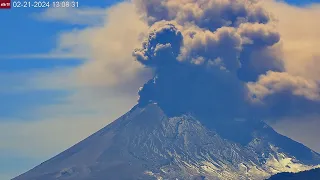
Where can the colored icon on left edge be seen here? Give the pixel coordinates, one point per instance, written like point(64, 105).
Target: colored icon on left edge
point(5, 4)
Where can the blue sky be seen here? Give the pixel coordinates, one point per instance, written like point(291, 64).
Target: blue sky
point(304, 2)
point(26, 34)
point(25, 59)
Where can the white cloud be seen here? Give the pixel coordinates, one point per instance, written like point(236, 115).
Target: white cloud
point(278, 82)
point(107, 49)
point(299, 29)
point(102, 88)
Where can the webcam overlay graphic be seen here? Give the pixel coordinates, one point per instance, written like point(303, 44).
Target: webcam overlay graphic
point(5, 4)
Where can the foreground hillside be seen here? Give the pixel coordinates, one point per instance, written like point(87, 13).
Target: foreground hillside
point(313, 174)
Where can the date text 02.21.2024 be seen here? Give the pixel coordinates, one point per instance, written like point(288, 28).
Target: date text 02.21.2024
point(45, 4)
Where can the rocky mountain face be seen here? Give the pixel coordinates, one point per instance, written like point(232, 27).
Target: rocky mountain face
point(147, 144)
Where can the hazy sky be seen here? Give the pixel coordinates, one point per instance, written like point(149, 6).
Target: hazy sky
point(65, 73)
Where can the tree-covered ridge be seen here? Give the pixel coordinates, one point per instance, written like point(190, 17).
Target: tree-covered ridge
point(313, 174)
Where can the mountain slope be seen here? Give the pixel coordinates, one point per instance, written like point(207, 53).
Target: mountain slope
point(313, 174)
point(147, 144)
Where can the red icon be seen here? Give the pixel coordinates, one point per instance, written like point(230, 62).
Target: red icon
point(5, 4)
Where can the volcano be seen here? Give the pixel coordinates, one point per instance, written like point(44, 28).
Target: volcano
point(145, 143)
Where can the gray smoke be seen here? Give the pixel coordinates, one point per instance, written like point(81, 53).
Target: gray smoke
point(218, 58)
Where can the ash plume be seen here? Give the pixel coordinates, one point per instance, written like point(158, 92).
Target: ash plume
point(218, 58)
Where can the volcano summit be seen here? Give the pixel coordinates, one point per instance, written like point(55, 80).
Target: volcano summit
point(147, 144)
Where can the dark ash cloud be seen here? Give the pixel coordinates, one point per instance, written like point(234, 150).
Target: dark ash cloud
point(213, 57)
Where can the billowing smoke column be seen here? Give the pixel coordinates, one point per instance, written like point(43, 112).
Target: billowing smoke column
point(210, 57)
